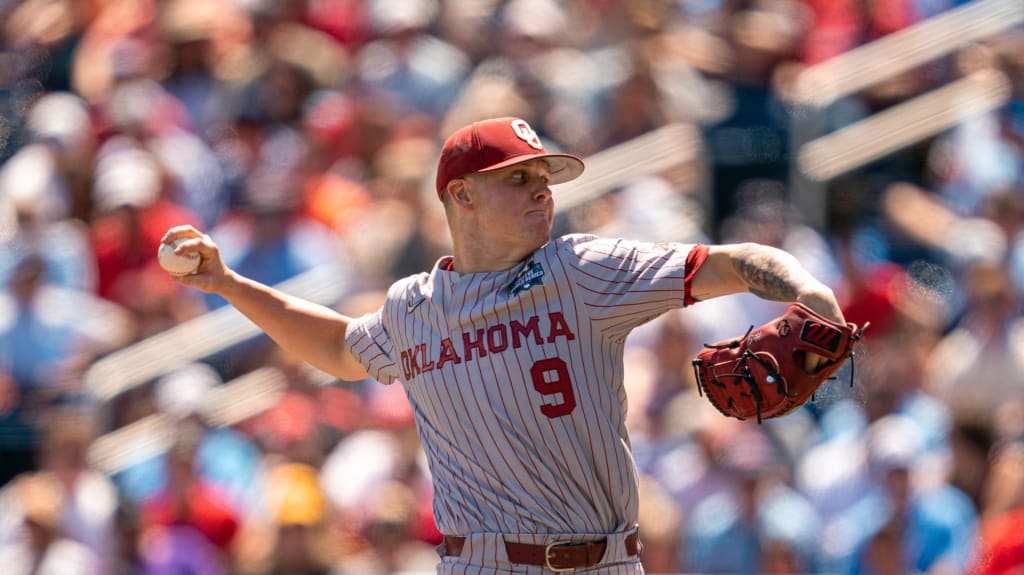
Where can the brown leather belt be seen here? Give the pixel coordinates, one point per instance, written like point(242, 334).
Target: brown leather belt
point(556, 556)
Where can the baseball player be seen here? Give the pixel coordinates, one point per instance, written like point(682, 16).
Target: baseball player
point(511, 353)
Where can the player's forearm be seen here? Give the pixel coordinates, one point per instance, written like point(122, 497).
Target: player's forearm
point(774, 274)
point(770, 273)
point(310, 331)
point(767, 272)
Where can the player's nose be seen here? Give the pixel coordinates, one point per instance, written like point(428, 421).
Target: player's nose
point(542, 191)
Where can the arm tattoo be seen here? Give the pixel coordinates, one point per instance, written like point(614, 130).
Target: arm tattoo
point(769, 273)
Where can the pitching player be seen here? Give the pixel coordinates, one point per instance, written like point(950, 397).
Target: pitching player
point(511, 353)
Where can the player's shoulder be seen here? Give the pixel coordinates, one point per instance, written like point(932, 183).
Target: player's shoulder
point(408, 287)
point(585, 246)
point(570, 240)
point(381, 323)
point(378, 322)
point(589, 252)
point(584, 243)
point(573, 243)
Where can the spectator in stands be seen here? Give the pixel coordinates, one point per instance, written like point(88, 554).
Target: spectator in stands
point(268, 235)
point(224, 457)
point(388, 449)
point(174, 549)
point(532, 54)
point(406, 63)
point(298, 520)
point(400, 199)
point(1001, 541)
point(131, 204)
point(190, 519)
point(63, 243)
point(731, 531)
point(973, 368)
point(910, 506)
point(32, 541)
point(88, 497)
point(188, 30)
point(389, 530)
point(51, 174)
point(48, 336)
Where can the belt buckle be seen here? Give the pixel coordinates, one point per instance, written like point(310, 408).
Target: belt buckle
point(547, 555)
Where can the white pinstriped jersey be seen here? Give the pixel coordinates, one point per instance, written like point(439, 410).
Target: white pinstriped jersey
point(515, 378)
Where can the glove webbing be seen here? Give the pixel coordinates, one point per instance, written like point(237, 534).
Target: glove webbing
point(697, 362)
point(755, 391)
point(780, 383)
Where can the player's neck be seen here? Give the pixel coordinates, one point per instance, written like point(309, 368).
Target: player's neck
point(473, 265)
point(480, 258)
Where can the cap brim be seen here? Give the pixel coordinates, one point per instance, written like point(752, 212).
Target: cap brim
point(564, 167)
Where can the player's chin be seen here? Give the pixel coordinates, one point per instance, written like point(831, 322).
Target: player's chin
point(538, 224)
point(540, 217)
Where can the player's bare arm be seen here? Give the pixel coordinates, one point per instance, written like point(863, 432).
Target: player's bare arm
point(766, 272)
point(311, 331)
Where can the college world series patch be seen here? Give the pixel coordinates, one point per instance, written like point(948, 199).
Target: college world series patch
point(531, 275)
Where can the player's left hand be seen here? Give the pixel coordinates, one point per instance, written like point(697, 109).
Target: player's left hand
point(824, 303)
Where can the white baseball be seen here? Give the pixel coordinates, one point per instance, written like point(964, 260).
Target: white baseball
point(174, 264)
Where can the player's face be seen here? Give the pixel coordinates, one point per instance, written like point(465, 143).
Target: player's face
point(516, 201)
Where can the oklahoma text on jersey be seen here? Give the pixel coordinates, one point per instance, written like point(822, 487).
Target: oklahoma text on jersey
point(491, 339)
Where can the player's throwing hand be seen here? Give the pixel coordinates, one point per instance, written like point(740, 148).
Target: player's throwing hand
point(211, 274)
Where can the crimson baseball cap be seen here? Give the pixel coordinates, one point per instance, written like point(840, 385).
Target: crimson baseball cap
point(497, 143)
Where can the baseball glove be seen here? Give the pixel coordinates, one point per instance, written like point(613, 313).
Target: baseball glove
point(762, 374)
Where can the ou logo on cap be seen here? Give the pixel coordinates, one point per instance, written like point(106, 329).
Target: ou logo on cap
point(526, 134)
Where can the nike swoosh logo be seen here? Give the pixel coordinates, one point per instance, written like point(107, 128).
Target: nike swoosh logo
point(413, 304)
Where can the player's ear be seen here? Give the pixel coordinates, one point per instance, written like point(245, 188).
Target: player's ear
point(458, 191)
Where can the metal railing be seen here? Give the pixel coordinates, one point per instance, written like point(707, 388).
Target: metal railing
point(823, 84)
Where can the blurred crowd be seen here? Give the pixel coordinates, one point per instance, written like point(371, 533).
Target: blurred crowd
point(304, 133)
